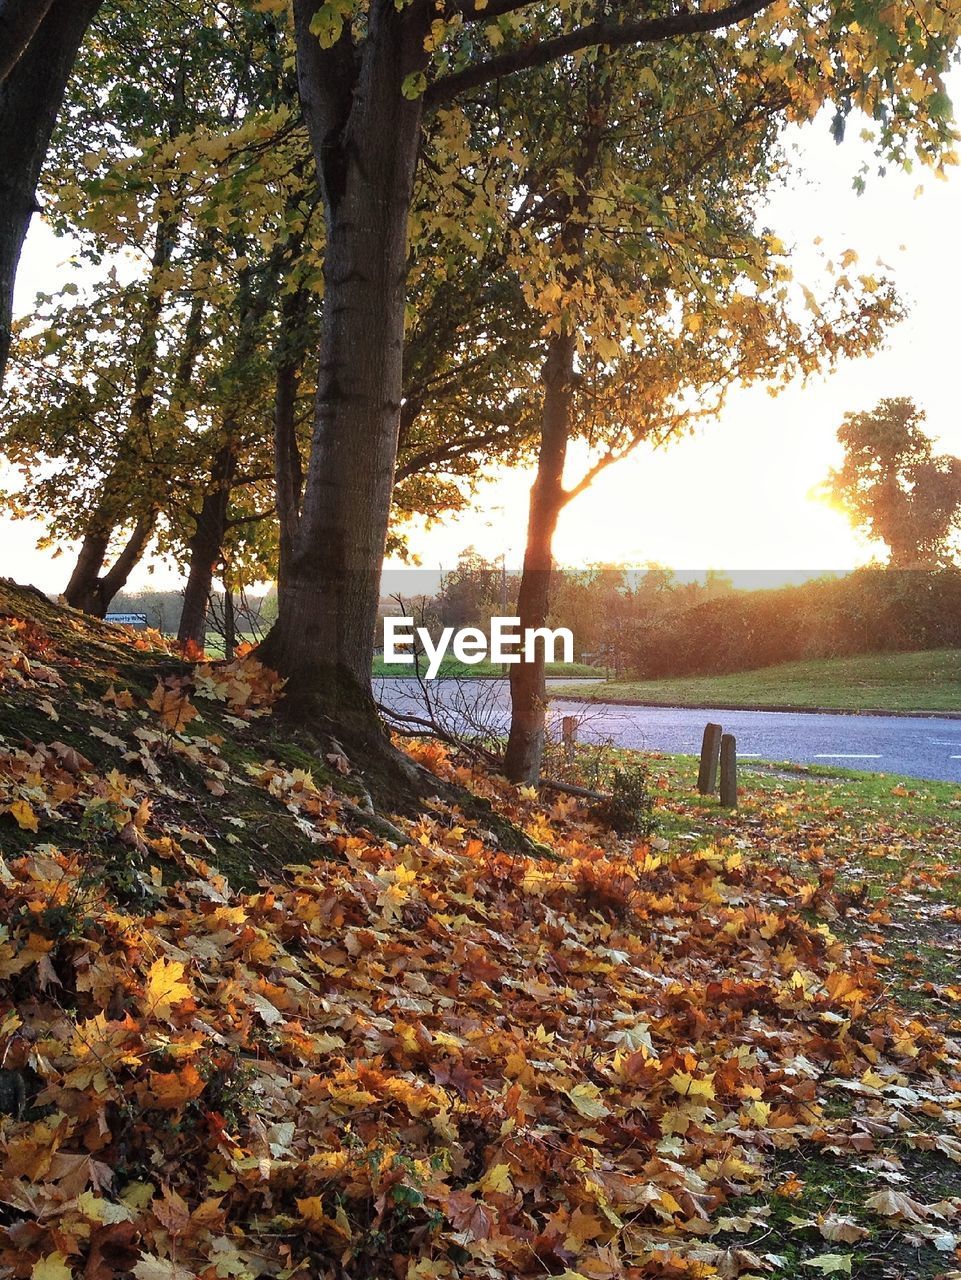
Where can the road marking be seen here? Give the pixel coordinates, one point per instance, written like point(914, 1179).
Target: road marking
point(954, 757)
point(846, 755)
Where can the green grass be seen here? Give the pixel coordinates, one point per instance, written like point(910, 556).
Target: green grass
point(214, 643)
point(926, 681)
point(450, 667)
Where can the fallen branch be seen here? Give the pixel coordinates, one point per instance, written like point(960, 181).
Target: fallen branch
point(430, 728)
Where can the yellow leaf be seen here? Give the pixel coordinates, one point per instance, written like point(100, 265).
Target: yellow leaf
point(497, 1178)
point(25, 818)
point(311, 1208)
point(689, 1087)
point(52, 1267)
point(164, 987)
point(586, 1099)
point(830, 1264)
point(173, 707)
point(759, 1112)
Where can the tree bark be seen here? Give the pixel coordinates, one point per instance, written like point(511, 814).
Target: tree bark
point(365, 135)
point(525, 743)
point(288, 468)
point(116, 579)
point(230, 621)
point(206, 547)
point(19, 20)
point(82, 591)
point(31, 94)
point(91, 592)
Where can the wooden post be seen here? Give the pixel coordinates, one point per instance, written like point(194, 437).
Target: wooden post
point(568, 732)
point(710, 751)
point(729, 771)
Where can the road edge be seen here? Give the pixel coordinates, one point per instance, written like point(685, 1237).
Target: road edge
point(781, 708)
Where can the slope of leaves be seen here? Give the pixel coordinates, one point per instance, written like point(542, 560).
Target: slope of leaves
point(427, 1058)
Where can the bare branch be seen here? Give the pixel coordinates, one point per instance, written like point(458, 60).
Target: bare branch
point(605, 32)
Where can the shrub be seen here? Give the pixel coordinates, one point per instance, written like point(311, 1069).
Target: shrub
point(630, 808)
point(869, 611)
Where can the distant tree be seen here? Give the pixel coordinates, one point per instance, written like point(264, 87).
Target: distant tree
point(161, 607)
point(893, 485)
point(473, 592)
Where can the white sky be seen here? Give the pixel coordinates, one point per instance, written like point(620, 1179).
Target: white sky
point(737, 494)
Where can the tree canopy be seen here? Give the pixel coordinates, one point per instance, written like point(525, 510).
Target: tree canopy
point(894, 486)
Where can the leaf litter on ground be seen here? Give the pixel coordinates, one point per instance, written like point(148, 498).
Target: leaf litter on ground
point(439, 1059)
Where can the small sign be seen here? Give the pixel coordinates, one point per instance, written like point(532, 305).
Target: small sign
point(127, 619)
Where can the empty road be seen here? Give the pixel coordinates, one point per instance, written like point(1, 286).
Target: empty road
point(918, 747)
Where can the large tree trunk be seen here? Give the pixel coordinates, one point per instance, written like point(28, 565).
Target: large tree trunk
point(365, 135)
point(115, 580)
point(206, 548)
point(525, 744)
point(89, 588)
point(31, 93)
point(289, 351)
point(19, 20)
point(82, 590)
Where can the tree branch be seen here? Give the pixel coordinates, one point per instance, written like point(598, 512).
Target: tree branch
point(605, 32)
point(471, 12)
point(325, 78)
point(447, 452)
point(638, 437)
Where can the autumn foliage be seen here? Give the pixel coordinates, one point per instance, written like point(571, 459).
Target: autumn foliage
point(434, 1059)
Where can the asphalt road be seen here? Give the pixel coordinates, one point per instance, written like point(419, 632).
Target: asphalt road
point(917, 747)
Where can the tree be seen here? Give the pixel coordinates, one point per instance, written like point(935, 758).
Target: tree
point(103, 403)
point(368, 73)
point(473, 592)
point(894, 487)
point(667, 292)
point(142, 411)
point(39, 40)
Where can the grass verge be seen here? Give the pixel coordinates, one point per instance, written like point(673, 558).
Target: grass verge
point(928, 681)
